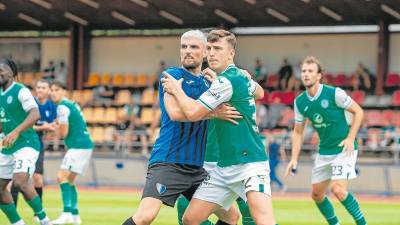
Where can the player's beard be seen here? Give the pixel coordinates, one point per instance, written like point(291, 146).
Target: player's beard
point(191, 66)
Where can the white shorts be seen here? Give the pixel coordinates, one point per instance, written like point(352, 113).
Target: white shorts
point(21, 161)
point(210, 166)
point(224, 185)
point(77, 160)
point(334, 167)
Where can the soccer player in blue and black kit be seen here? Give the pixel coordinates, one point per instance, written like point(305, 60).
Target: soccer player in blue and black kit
point(48, 113)
point(176, 162)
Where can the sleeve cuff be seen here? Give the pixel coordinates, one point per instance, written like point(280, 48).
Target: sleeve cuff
point(205, 105)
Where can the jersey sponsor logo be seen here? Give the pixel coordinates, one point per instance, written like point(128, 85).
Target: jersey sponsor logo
point(213, 94)
point(324, 103)
point(9, 99)
point(317, 118)
point(2, 116)
point(161, 188)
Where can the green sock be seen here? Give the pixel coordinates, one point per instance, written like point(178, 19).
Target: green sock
point(245, 211)
point(327, 210)
point(37, 207)
point(11, 212)
point(66, 196)
point(352, 206)
point(181, 206)
point(74, 200)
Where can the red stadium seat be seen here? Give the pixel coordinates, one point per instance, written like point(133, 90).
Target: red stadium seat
point(374, 118)
point(288, 97)
point(358, 96)
point(272, 80)
point(388, 116)
point(274, 95)
point(341, 80)
point(396, 119)
point(392, 80)
point(328, 78)
point(396, 98)
point(265, 99)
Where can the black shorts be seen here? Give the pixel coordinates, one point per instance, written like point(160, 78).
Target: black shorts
point(166, 181)
point(39, 163)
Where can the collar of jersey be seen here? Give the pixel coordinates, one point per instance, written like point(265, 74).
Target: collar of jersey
point(9, 88)
point(228, 67)
point(191, 75)
point(321, 86)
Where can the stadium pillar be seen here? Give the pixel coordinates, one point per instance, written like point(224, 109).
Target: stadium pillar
point(383, 56)
point(79, 56)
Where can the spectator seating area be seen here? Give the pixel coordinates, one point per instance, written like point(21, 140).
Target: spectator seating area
point(381, 112)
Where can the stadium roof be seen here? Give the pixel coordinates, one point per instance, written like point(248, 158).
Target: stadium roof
point(149, 14)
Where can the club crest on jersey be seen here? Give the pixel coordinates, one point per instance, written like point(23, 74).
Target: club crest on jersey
point(9, 99)
point(324, 103)
point(317, 118)
point(161, 188)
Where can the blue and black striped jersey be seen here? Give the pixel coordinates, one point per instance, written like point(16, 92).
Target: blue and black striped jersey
point(181, 142)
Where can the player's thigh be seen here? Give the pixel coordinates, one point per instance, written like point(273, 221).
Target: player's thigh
point(322, 170)
point(260, 205)
point(6, 166)
point(38, 180)
point(148, 210)
point(199, 211)
point(319, 190)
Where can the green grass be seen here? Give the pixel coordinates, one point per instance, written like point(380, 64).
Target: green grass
point(112, 208)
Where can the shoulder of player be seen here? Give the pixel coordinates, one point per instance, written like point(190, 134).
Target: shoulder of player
point(176, 72)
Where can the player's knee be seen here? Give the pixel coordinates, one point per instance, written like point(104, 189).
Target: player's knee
point(38, 181)
point(62, 178)
point(233, 216)
point(20, 184)
point(144, 219)
point(317, 196)
point(339, 191)
point(189, 220)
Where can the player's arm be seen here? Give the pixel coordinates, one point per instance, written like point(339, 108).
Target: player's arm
point(29, 105)
point(344, 101)
point(255, 88)
point(62, 119)
point(171, 106)
point(194, 110)
point(297, 140)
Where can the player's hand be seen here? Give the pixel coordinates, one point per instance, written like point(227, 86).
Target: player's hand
point(170, 84)
point(228, 113)
point(9, 140)
point(348, 145)
point(291, 168)
point(210, 74)
point(246, 73)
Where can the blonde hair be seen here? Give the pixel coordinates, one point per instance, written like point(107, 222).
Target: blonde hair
point(313, 60)
point(195, 34)
point(216, 35)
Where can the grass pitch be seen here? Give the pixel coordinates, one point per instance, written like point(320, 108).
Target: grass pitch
point(113, 207)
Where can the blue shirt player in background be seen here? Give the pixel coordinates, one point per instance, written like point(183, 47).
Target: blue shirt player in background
point(48, 113)
point(176, 162)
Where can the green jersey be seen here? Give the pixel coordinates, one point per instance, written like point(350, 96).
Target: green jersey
point(237, 144)
point(212, 152)
point(68, 112)
point(326, 111)
point(15, 104)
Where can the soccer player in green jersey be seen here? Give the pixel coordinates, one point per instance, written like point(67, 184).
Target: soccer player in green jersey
point(72, 127)
point(325, 107)
point(21, 146)
point(242, 168)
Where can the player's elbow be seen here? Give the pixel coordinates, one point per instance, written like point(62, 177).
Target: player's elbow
point(259, 94)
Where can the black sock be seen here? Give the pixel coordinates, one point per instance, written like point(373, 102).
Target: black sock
point(39, 190)
point(129, 222)
point(220, 222)
point(14, 194)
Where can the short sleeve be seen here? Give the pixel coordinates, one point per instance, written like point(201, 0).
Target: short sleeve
point(298, 116)
point(62, 114)
point(342, 99)
point(220, 91)
point(252, 87)
point(26, 99)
